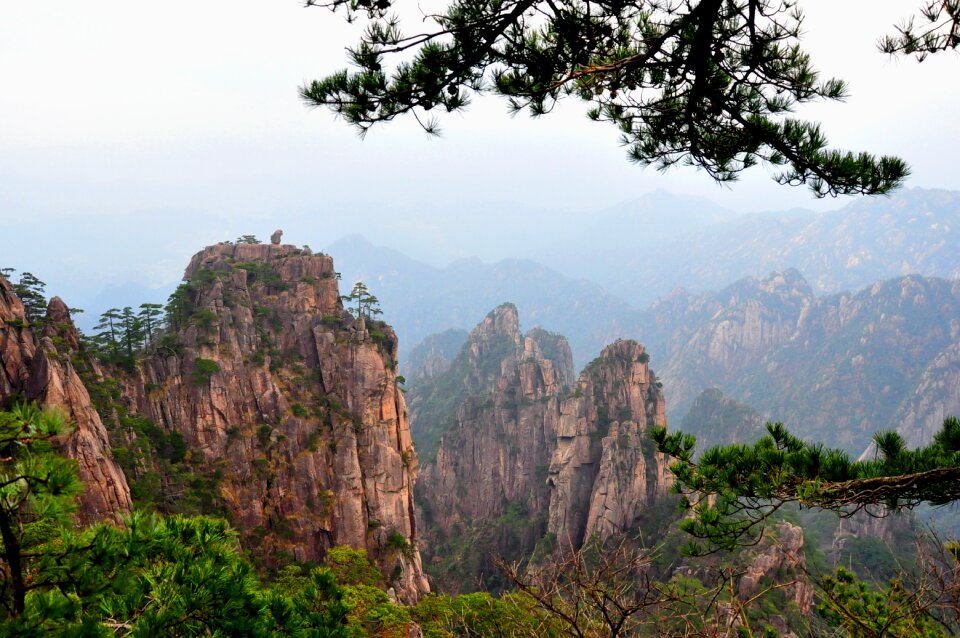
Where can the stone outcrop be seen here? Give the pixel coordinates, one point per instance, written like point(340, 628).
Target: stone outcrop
point(603, 471)
point(38, 364)
point(492, 463)
point(292, 404)
point(528, 454)
point(782, 553)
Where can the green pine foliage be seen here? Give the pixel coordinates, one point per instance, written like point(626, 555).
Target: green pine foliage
point(711, 84)
point(733, 489)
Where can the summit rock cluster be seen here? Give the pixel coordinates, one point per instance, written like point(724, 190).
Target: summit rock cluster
point(521, 454)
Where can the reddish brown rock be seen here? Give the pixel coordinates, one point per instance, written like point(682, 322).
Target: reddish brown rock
point(604, 472)
point(530, 458)
point(280, 391)
point(40, 368)
point(782, 553)
point(495, 458)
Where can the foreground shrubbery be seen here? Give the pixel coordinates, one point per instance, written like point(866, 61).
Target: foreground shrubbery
point(187, 576)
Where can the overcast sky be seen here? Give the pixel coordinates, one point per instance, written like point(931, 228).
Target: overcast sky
point(118, 109)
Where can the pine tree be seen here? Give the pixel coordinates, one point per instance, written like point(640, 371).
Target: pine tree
point(732, 490)
point(31, 290)
point(108, 339)
point(37, 490)
point(710, 83)
point(367, 304)
point(149, 316)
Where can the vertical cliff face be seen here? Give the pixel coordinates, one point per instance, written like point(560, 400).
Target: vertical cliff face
point(526, 457)
point(291, 404)
point(604, 471)
point(486, 485)
point(37, 364)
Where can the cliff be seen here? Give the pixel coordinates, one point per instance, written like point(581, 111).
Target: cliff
point(527, 459)
point(287, 406)
point(485, 491)
point(754, 317)
point(37, 363)
point(604, 472)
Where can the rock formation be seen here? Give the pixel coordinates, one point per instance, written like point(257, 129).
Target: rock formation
point(525, 457)
point(834, 369)
point(290, 407)
point(275, 237)
point(490, 470)
point(37, 363)
point(781, 553)
point(604, 471)
point(755, 317)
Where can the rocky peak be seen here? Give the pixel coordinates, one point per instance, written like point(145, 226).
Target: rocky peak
point(497, 336)
point(527, 458)
point(603, 455)
point(754, 316)
point(502, 321)
point(292, 404)
point(60, 324)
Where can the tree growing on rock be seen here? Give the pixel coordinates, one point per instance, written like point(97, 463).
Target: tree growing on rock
point(31, 292)
point(732, 490)
point(367, 306)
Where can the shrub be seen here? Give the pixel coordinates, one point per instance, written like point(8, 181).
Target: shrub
point(203, 370)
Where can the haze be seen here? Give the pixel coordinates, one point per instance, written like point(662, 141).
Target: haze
point(135, 134)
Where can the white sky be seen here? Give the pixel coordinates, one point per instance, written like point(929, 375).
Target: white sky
point(114, 107)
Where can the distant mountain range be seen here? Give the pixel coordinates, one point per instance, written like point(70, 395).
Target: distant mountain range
point(636, 255)
point(419, 299)
point(835, 369)
point(600, 286)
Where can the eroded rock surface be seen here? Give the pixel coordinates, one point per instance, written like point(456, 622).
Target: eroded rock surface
point(38, 364)
point(530, 455)
point(604, 471)
point(293, 404)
